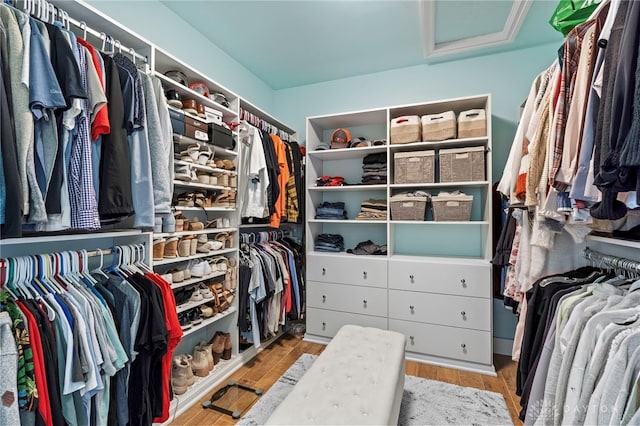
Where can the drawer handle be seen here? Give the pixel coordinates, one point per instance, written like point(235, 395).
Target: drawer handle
point(464, 283)
point(464, 314)
point(411, 307)
point(463, 346)
point(324, 325)
point(411, 277)
point(324, 298)
point(412, 340)
point(324, 271)
point(364, 302)
point(364, 275)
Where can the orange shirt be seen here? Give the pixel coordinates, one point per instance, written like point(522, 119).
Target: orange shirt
point(283, 178)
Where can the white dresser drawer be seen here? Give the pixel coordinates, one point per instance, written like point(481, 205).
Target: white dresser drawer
point(325, 323)
point(443, 309)
point(449, 342)
point(347, 269)
point(347, 298)
point(441, 276)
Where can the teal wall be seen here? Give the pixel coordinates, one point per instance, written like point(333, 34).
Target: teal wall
point(506, 76)
point(159, 25)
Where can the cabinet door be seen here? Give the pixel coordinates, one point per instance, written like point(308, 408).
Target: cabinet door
point(325, 323)
point(347, 298)
point(343, 269)
point(457, 311)
point(449, 342)
point(448, 277)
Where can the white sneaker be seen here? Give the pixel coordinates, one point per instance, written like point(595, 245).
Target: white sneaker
point(198, 270)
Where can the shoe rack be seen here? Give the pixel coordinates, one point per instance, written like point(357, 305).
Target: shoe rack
point(208, 201)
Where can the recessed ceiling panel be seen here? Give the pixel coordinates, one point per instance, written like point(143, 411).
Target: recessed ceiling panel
point(458, 20)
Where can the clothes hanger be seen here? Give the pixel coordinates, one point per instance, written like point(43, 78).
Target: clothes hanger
point(84, 267)
point(98, 270)
point(83, 27)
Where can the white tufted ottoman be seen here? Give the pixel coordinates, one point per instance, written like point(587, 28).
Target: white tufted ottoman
point(358, 379)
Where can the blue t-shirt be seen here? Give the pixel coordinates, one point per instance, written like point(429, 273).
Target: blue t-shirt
point(45, 95)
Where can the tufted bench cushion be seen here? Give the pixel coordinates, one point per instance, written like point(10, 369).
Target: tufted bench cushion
point(358, 379)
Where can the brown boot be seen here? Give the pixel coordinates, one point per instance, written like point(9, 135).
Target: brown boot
point(217, 346)
point(226, 353)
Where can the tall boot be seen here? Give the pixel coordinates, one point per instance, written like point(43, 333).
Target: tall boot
point(226, 353)
point(217, 346)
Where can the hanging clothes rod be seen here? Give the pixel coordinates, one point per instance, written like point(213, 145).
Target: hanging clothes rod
point(256, 120)
point(45, 11)
point(601, 259)
point(103, 252)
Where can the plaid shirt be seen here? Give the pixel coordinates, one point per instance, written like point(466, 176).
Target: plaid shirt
point(292, 208)
point(84, 208)
point(571, 56)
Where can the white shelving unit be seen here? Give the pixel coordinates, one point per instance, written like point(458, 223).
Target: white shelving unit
point(434, 285)
point(160, 61)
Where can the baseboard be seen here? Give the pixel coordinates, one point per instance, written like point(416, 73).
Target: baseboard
point(502, 346)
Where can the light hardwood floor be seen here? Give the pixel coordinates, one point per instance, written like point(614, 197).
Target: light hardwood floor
point(265, 369)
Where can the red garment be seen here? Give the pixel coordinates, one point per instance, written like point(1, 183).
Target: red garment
point(100, 124)
point(175, 336)
point(38, 366)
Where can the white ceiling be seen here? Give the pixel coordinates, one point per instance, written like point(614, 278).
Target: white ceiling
point(292, 43)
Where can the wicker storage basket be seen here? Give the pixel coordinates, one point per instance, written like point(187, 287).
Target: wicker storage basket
point(451, 207)
point(462, 164)
point(404, 207)
point(438, 127)
point(405, 129)
point(472, 124)
point(414, 167)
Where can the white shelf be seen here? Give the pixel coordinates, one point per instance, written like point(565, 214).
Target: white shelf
point(344, 254)
point(206, 168)
point(186, 283)
point(346, 153)
point(184, 140)
point(208, 321)
point(348, 188)
point(185, 184)
point(195, 256)
point(206, 209)
point(449, 143)
point(39, 239)
point(614, 241)
point(448, 260)
point(439, 223)
point(349, 221)
point(183, 307)
point(186, 93)
point(202, 231)
point(471, 184)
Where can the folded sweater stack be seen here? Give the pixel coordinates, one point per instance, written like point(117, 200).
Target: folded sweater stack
point(374, 169)
point(373, 210)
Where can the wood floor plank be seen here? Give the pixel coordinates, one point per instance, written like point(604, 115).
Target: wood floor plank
point(267, 367)
point(472, 380)
point(449, 375)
